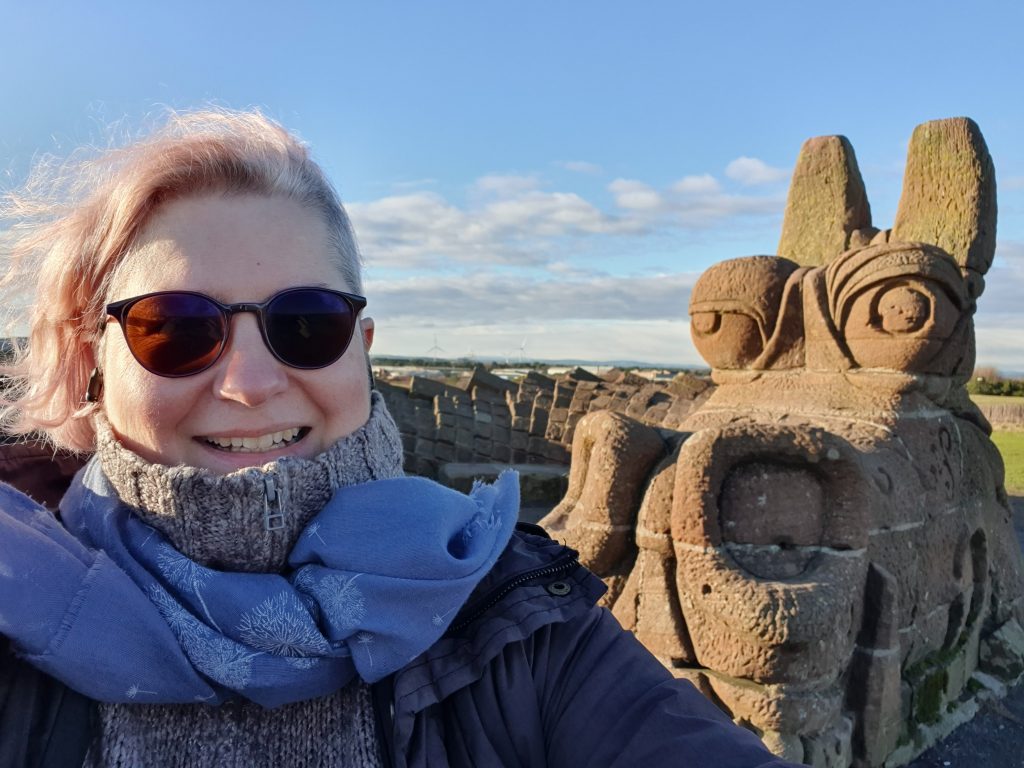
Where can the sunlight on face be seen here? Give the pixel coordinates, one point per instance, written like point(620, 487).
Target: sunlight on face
point(248, 408)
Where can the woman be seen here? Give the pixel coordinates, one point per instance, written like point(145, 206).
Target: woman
point(241, 575)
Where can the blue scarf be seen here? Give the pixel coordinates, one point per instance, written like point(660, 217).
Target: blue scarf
point(373, 581)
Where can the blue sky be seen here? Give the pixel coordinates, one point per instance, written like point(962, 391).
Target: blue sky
point(552, 175)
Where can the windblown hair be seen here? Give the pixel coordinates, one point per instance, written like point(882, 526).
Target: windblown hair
point(74, 223)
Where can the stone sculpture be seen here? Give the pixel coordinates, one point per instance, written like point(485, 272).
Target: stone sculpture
point(825, 547)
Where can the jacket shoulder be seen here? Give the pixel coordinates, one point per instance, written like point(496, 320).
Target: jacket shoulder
point(531, 558)
point(40, 472)
point(535, 583)
point(42, 721)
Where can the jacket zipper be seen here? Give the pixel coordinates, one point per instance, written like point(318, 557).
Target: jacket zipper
point(272, 521)
point(566, 563)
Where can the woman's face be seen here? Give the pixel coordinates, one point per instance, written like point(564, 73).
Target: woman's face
point(233, 248)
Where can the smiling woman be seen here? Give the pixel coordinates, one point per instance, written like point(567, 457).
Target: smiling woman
point(223, 417)
point(241, 570)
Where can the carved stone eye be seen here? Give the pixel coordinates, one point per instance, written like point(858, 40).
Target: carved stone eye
point(705, 323)
point(900, 324)
point(903, 309)
point(726, 339)
point(900, 306)
point(734, 308)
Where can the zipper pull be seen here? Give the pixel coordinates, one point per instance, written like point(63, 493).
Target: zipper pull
point(272, 521)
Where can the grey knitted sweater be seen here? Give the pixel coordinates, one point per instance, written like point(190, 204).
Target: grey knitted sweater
point(221, 521)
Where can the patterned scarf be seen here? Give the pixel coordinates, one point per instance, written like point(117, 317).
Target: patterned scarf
point(374, 580)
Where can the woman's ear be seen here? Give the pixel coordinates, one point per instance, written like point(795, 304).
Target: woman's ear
point(366, 328)
point(93, 355)
point(94, 388)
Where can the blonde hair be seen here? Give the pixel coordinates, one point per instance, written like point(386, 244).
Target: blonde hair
point(72, 225)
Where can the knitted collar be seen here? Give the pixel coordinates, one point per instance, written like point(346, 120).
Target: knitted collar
point(248, 520)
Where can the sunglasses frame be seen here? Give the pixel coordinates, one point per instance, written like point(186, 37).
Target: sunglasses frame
point(119, 311)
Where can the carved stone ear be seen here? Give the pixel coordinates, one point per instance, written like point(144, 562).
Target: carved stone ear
point(827, 210)
point(949, 194)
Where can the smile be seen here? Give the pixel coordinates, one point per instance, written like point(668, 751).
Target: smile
point(268, 442)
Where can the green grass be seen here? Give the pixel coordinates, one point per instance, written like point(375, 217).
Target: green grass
point(1011, 446)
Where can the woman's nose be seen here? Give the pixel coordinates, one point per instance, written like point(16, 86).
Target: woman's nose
point(248, 373)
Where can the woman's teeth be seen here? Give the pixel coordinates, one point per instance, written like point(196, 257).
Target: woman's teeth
point(255, 444)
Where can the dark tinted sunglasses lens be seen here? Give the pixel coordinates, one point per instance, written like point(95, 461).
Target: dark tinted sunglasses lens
point(309, 328)
point(174, 334)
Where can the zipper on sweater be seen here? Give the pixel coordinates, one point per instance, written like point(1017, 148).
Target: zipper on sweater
point(272, 521)
point(566, 563)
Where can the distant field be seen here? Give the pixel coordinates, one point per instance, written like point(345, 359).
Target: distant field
point(995, 399)
point(1011, 446)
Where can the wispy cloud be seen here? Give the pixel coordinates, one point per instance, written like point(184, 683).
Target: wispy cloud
point(749, 171)
point(567, 314)
point(517, 257)
point(487, 298)
point(417, 230)
point(635, 195)
point(518, 219)
point(705, 184)
point(693, 202)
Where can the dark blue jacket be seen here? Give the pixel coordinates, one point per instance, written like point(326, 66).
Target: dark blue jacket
point(531, 673)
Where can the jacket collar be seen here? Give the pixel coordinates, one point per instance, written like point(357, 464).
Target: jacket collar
point(536, 582)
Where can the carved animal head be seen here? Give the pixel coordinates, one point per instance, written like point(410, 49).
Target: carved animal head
point(826, 546)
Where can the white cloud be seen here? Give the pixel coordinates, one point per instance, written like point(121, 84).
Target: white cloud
point(705, 184)
point(518, 226)
point(635, 195)
point(489, 298)
point(514, 220)
point(549, 214)
point(693, 202)
point(567, 269)
point(600, 319)
point(750, 171)
point(707, 211)
point(581, 166)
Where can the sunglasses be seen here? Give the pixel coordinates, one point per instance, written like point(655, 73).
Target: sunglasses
point(181, 333)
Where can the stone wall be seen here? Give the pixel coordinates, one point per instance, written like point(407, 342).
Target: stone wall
point(484, 418)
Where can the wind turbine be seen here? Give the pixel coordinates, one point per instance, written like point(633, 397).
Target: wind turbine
point(522, 350)
point(435, 349)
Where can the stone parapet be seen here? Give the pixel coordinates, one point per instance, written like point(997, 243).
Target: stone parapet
point(484, 418)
